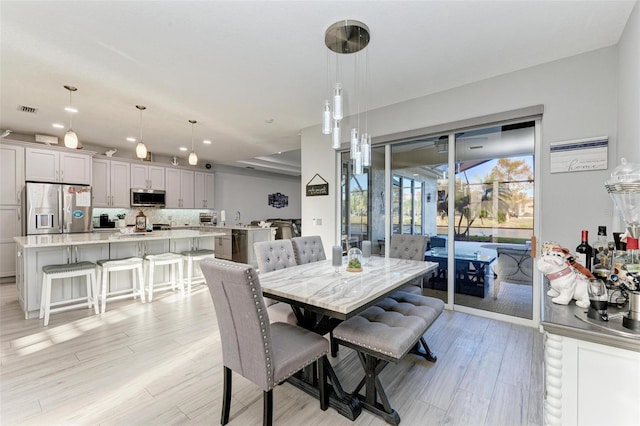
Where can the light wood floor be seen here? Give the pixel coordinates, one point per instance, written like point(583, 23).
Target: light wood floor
point(160, 364)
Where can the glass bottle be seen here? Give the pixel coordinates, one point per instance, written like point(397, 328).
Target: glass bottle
point(584, 251)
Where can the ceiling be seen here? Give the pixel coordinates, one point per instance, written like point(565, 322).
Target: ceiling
point(253, 74)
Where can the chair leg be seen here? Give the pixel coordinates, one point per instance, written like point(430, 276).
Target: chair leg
point(181, 277)
point(226, 396)
point(103, 287)
point(94, 291)
point(334, 345)
point(140, 282)
point(150, 268)
point(267, 419)
point(322, 374)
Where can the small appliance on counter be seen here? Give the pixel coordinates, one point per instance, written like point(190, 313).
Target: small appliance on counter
point(54, 208)
point(105, 222)
point(209, 219)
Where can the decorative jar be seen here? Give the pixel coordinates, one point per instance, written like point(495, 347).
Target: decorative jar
point(354, 260)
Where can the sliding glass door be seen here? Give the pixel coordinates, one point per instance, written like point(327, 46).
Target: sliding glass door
point(471, 192)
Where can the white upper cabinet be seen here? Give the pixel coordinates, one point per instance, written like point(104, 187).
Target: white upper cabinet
point(180, 190)
point(203, 185)
point(149, 177)
point(111, 183)
point(46, 165)
point(11, 174)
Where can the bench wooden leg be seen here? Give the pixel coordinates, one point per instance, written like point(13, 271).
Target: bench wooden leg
point(375, 398)
point(424, 352)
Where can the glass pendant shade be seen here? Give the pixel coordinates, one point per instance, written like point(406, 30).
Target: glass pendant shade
point(337, 102)
point(354, 143)
point(326, 118)
point(357, 164)
point(141, 150)
point(365, 147)
point(193, 157)
point(71, 139)
point(336, 135)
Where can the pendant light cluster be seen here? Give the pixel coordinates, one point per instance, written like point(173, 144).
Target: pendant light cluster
point(141, 148)
point(71, 138)
point(346, 37)
point(193, 157)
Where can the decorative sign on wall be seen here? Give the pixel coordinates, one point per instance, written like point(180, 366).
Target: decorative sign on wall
point(320, 187)
point(278, 200)
point(579, 155)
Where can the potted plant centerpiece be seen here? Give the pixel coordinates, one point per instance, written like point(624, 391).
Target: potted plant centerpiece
point(354, 260)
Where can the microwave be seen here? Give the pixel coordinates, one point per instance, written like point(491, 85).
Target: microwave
point(147, 197)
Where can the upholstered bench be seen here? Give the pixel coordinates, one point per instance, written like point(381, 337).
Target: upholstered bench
point(385, 333)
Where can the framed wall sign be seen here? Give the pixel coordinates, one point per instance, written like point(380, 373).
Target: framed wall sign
point(579, 155)
point(317, 186)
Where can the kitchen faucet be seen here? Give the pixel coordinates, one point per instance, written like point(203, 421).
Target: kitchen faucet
point(238, 217)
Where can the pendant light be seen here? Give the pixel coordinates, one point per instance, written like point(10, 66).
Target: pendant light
point(348, 37)
point(193, 157)
point(70, 138)
point(141, 148)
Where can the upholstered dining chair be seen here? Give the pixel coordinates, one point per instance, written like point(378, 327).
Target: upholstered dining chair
point(308, 249)
point(409, 247)
point(264, 353)
point(272, 256)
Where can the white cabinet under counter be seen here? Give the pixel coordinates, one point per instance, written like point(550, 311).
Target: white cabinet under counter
point(36, 251)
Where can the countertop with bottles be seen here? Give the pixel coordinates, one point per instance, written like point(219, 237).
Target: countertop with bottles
point(54, 240)
point(564, 320)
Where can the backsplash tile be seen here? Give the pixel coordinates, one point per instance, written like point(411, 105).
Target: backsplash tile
point(174, 217)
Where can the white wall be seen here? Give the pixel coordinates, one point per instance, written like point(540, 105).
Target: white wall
point(580, 98)
point(248, 193)
point(629, 89)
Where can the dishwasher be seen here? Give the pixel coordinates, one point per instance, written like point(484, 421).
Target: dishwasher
point(239, 246)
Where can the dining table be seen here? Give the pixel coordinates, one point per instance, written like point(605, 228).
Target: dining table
point(322, 295)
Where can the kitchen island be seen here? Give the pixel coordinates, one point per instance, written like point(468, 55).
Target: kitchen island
point(35, 251)
point(592, 371)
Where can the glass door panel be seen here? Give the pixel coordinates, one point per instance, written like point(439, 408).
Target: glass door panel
point(493, 218)
point(419, 182)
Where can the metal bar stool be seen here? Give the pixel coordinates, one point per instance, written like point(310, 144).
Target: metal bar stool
point(68, 270)
point(133, 264)
point(172, 259)
point(192, 257)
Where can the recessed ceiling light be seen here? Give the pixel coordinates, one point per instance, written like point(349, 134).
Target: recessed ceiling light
point(269, 120)
point(182, 148)
point(58, 125)
point(206, 142)
point(70, 109)
point(131, 139)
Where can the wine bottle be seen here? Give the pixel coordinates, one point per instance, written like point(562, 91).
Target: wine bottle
point(601, 248)
point(584, 251)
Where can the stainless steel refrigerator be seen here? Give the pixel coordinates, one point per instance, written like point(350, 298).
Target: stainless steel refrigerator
point(54, 208)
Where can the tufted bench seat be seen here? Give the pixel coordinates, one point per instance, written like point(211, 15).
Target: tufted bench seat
point(385, 333)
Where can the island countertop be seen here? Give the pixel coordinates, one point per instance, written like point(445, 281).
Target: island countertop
point(55, 240)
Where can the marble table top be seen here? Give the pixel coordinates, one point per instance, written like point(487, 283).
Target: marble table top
point(54, 240)
point(341, 294)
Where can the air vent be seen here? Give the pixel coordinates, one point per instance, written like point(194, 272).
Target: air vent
point(30, 110)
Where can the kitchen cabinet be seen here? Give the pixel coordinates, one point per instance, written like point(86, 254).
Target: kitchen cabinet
point(111, 183)
point(10, 226)
point(203, 188)
point(46, 165)
point(11, 174)
point(11, 192)
point(180, 189)
point(148, 177)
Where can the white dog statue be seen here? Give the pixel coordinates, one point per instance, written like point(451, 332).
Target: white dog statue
point(567, 282)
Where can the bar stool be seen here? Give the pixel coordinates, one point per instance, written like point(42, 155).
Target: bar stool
point(106, 266)
point(173, 259)
point(68, 270)
point(191, 257)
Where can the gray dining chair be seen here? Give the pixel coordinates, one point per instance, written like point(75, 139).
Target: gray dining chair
point(308, 249)
point(272, 256)
point(409, 247)
point(266, 354)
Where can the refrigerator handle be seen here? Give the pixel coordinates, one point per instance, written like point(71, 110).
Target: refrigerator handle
point(60, 209)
